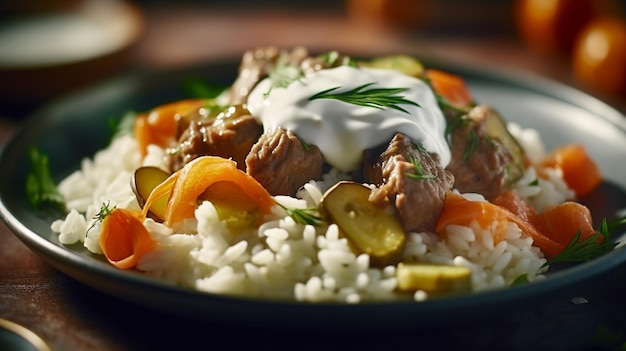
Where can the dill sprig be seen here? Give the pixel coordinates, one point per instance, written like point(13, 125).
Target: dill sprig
point(593, 246)
point(104, 211)
point(443, 103)
point(305, 145)
point(379, 98)
point(419, 170)
point(451, 126)
point(40, 187)
point(521, 280)
point(472, 144)
point(332, 59)
point(283, 74)
point(309, 215)
point(472, 137)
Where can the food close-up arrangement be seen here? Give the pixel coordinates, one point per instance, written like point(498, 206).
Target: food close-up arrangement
point(447, 178)
point(327, 178)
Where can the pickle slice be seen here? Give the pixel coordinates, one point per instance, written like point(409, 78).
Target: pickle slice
point(402, 63)
point(144, 180)
point(433, 279)
point(369, 229)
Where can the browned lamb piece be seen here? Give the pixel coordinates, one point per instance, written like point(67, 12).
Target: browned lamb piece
point(410, 178)
point(282, 163)
point(259, 63)
point(228, 136)
point(479, 161)
point(231, 135)
point(256, 65)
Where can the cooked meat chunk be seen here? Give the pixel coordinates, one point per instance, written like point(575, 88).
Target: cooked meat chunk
point(410, 178)
point(256, 65)
point(282, 163)
point(479, 162)
point(230, 135)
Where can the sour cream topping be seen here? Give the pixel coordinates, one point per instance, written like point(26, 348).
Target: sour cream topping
point(341, 130)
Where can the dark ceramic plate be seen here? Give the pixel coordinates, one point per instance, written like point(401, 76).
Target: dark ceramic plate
point(77, 126)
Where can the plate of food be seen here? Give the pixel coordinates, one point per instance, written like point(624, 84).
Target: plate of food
point(324, 190)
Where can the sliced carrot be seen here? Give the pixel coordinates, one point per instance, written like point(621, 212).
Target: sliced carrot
point(512, 202)
point(158, 126)
point(580, 172)
point(450, 86)
point(565, 220)
point(559, 223)
point(214, 179)
point(458, 210)
point(124, 239)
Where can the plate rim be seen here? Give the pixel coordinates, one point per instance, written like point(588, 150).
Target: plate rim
point(72, 263)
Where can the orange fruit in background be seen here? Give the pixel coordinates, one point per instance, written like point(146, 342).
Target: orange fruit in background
point(599, 56)
point(552, 26)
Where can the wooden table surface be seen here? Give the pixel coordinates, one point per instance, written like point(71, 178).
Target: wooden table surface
point(72, 316)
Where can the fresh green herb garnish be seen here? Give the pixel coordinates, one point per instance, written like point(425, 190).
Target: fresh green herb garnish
point(452, 126)
point(594, 246)
point(443, 103)
point(521, 280)
point(283, 74)
point(471, 146)
point(376, 98)
point(304, 216)
point(40, 187)
point(306, 146)
point(213, 109)
point(419, 170)
point(331, 58)
point(420, 148)
point(104, 211)
point(199, 88)
point(517, 170)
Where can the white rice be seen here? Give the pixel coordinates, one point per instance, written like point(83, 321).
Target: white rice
point(286, 260)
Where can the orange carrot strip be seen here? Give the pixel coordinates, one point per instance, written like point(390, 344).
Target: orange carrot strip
point(580, 172)
point(451, 86)
point(563, 222)
point(460, 211)
point(158, 126)
point(512, 202)
point(124, 239)
point(559, 223)
point(210, 178)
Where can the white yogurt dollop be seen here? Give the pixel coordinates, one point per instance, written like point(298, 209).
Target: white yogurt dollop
point(341, 130)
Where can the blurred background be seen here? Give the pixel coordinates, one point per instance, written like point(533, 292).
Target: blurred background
point(51, 48)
